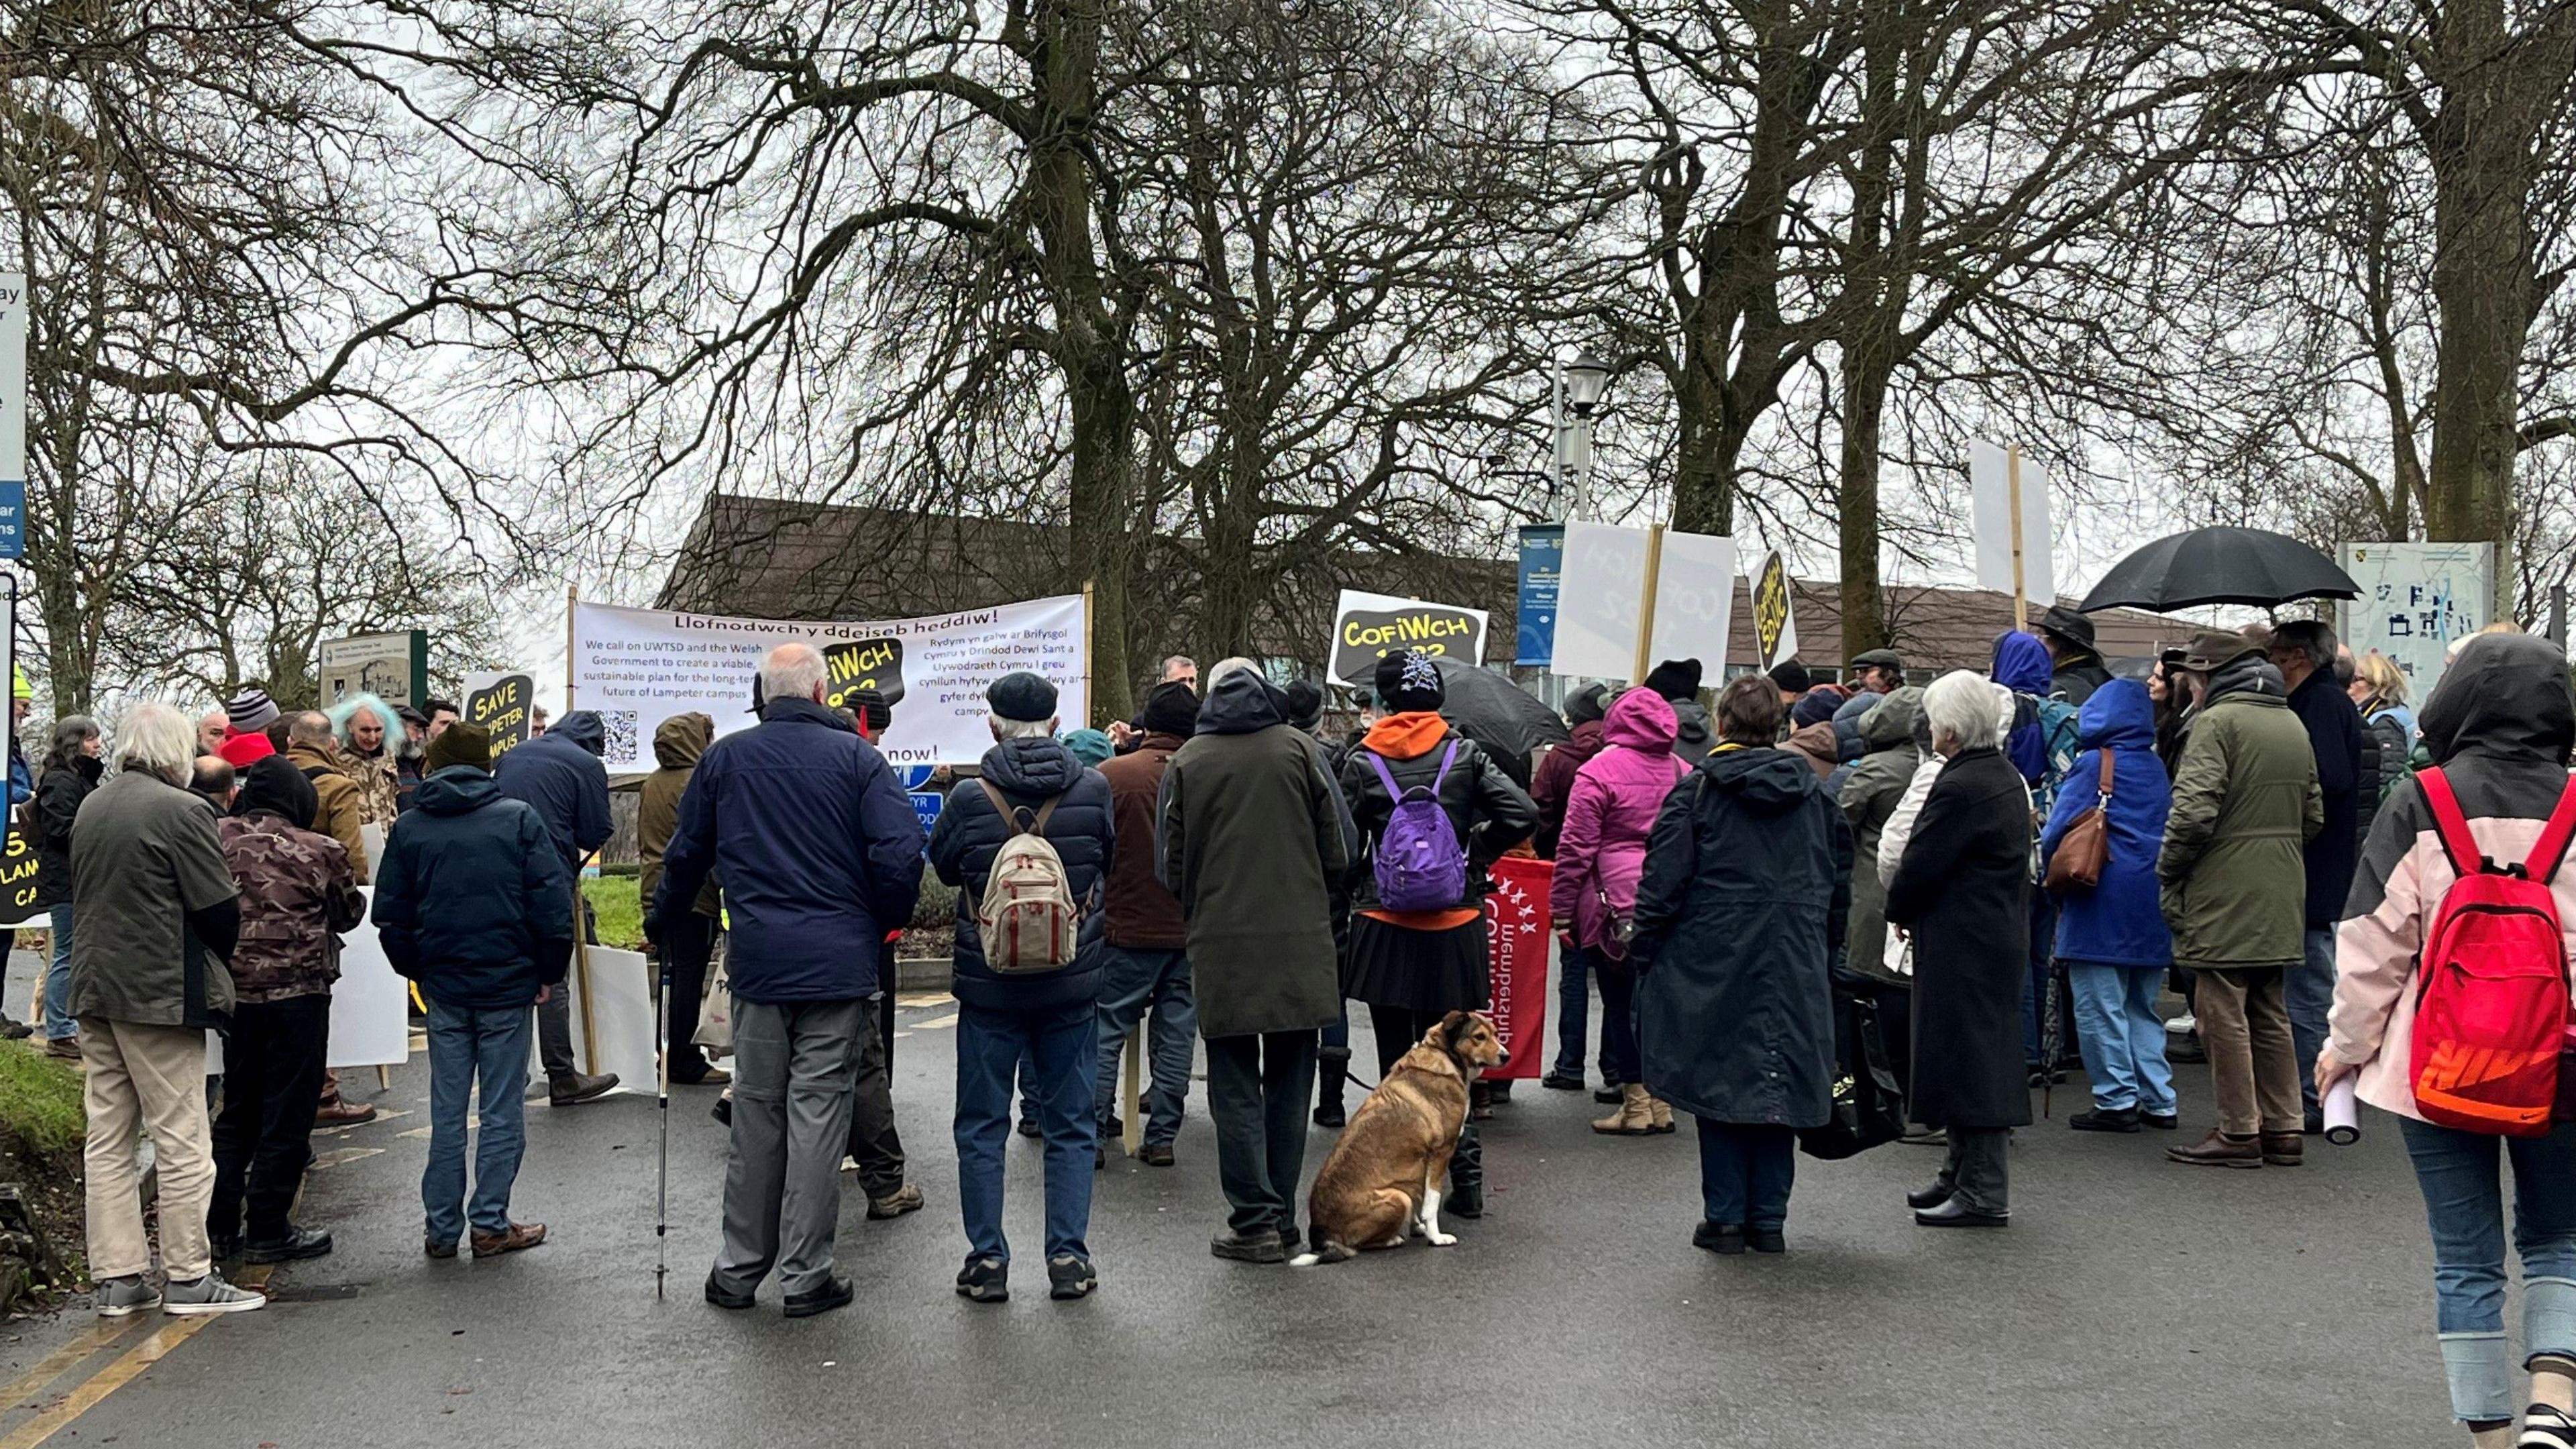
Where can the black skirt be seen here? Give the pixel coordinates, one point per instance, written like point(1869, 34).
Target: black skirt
point(1418, 970)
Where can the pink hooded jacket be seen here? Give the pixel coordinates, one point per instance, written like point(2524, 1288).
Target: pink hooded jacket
point(1610, 812)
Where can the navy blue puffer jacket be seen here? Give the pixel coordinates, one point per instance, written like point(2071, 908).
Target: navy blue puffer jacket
point(472, 901)
point(1082, 830)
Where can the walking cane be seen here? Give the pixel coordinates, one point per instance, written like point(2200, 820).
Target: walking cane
point(662, 1096)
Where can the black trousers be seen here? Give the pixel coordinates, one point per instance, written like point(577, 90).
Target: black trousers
point(688, 944)
point(1259, 1088)
point(263, 1138)
point(1398, 1031)
point(873, 1141)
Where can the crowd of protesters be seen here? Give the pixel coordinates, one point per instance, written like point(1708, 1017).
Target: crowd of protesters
point(1978, 883)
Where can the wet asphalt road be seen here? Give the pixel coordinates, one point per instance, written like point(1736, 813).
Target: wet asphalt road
point(2132, 1303)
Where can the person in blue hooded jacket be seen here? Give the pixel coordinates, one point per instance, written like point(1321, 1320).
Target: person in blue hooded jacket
point(559, 775)
point(820, 854)
point(1049, 1017)
point(2112, 936)
point(2024, 666)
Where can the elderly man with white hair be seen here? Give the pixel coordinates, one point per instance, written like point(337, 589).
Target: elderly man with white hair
point(159, 917)
point(1963, 887)
point(820, 855)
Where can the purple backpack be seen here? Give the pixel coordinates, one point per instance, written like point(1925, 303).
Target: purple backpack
point(1419, 864)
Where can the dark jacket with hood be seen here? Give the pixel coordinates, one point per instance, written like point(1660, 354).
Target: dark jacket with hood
point(58, 801)
point(1695, 737)
point(2075, 680)
point(2500, 727)
point(472, 902)
point(1083, 831)
point(559, 775)
point(2245, 803)
point(2335, 735)
point(676, 748)
point(1254, 841)
point(1739, 916)
point(1143, 915)
point(1554, 783)
point(1868, 797)
point(2120, 921)
point(1963, 888)
point(818, 847)
point(1488, 811)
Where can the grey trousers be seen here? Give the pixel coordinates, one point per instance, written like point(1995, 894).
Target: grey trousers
point(793, 1070)
point(1975, 1172)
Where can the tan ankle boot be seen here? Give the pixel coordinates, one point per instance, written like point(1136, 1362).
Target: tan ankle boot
point(1659, 1115)
point(1635, 1117)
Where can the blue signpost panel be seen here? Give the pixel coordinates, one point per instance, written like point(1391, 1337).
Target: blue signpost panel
point(926, 801)
point(1542, 561)
point(13, 518)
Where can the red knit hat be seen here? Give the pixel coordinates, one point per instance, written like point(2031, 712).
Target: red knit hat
point(241, 749)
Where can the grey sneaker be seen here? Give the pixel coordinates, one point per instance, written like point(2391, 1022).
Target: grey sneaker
point(210, 1294)
point(119, 1297)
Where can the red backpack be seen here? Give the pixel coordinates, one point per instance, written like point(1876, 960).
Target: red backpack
point(2493, 1013)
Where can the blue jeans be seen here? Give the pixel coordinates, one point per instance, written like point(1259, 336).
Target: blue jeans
point(1137, 984)
point(2308, 990)
point(2122, 1038)
point(2464, 1205)
point(466, 1045)
point(1745, 1172)
point(1063, 1050)
point(1573, 1008)
point(58, 979)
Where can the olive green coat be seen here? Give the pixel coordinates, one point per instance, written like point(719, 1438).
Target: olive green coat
point(2245, 803)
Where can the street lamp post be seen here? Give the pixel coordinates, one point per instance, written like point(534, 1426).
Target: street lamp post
point(1573, 399)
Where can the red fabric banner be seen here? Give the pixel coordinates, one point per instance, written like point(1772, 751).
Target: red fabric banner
point(1517, 934)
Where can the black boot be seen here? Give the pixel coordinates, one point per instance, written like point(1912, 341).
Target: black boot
point(1466, 1197)
point(1332, 1073)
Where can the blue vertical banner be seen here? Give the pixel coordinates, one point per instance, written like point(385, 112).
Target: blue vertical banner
point(1542, 563)
point(13, 518)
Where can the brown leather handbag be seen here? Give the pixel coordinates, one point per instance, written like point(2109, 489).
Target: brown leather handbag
point(2085, 848)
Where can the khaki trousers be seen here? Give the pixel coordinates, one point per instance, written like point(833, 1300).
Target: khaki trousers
point(146, 1079)
point(2253, 1066)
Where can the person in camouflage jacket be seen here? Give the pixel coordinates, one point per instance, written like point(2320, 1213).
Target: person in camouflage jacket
point(299, 892)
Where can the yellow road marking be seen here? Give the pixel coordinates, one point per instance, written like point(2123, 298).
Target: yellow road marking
point(53, 1418)
point(97, 1336)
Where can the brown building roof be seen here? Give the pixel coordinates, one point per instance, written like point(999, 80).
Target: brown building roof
point(773, 558)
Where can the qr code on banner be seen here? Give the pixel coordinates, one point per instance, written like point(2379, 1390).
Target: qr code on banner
point(621, 736)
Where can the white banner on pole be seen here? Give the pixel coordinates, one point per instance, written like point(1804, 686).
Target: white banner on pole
point(2415, 599)
point(621, 1015)
point(1603, 584)
point(1990, 486)
point(639, 667)
point(13, 377)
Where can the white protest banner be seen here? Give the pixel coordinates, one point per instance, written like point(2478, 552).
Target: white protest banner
point(1991, 472)
point(2415, 599)
point(639, 667)
point(1603, 585)
point(1366, 627)
point(621, 1018)
point(1775, 618)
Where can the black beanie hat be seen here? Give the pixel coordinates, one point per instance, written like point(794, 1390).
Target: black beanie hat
point(1792, 677)
point(273, 785)
point(1305, 704)
point(1171, 708)
point(1675, 679)
point(1587, 704)
point(1409, 682)
point(870, 706)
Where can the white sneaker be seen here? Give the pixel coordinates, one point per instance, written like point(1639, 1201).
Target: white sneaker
point(210, 1294)
point(121, 1297)
point(2183, 1025)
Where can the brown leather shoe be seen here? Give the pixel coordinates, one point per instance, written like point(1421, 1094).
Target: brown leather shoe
point(2281, 1149)
point(2219, 1150)
point(521, 1236)
point(343, 1113)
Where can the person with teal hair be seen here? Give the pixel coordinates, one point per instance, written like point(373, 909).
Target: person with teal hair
point(367, 728)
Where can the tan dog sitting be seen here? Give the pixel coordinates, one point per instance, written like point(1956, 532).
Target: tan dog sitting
point(1383, 1178)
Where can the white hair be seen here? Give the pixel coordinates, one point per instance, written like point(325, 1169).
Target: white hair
point(158, 740)
point(793, 670)
point(1961, 707)
point(1022, 729)
point(1231, 666)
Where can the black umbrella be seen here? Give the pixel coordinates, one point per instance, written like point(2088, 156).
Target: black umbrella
point(1510, 722)
point(2220, 566)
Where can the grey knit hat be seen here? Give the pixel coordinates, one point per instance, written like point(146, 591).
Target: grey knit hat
point(251, 711)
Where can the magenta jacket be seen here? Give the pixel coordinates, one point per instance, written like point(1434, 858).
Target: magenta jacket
point(1610, 812)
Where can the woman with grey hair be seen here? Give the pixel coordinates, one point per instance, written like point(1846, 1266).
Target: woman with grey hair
point(1963, 889)
point(71, 770)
